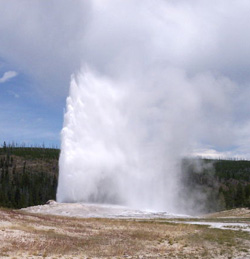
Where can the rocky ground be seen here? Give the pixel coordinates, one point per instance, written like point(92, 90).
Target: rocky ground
point(33, 235)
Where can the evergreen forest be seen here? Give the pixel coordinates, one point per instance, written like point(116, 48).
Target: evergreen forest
point(215, 185)
point(28, 175)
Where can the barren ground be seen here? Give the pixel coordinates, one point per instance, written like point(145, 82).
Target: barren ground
point(29, 235)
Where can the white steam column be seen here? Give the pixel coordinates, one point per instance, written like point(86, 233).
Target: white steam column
point(121, 141)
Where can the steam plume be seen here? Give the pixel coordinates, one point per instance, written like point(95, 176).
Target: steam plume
point(136, 108)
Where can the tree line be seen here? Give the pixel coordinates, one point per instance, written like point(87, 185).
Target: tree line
point(28, 176)
point(218, 184)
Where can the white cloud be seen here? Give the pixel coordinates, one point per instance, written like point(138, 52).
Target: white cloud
point(7, 76)
point(209, 41)
point(213, 154)
point(195, 35)
point(46, 49)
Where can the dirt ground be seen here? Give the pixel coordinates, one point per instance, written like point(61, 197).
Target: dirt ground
point(234, 213)
point(26, 235)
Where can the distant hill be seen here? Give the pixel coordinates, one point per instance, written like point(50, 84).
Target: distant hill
point(215, 185)
point(29, 176)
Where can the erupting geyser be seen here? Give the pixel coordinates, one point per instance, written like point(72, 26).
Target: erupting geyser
point(141, 98)
point(121, 141)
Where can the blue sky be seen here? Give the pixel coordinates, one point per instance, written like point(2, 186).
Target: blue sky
point(46, 41)
point(27, 117)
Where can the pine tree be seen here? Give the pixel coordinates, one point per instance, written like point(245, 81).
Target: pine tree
point(240, 196)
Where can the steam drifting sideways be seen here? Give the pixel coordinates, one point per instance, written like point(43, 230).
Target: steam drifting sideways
point(145, 97)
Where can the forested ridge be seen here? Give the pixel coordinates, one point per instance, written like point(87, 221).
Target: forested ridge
point(217, 184)
point(29, 175)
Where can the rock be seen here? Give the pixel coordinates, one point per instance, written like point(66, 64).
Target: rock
point(51, 202)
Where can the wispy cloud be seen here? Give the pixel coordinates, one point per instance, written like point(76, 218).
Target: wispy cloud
point(12, 93)
point(7, 76)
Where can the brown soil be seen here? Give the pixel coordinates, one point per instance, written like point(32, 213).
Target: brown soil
point(25, 235)
point(234, 213)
